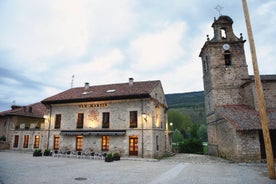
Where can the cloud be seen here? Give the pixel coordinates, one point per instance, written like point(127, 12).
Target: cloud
point(154, 51)
point(43, 29)
point(97, 70)
point(110, 21)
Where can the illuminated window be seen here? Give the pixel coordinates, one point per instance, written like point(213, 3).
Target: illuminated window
point(79, 143)
point(15, 142)
point(105, 143)
point(26, 141)
point(133, 119)
point(56, 142)
point(36, 141)
point(80, 120)
point(105, 123)
point(58, 121)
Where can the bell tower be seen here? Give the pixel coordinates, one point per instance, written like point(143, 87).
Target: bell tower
point(224, 68)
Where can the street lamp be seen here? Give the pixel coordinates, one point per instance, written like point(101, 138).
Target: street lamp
point(144, 116)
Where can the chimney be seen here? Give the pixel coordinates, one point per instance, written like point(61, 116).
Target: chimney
point(86, 86)
point(131, 81)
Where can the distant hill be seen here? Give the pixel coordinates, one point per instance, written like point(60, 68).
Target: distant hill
point(191, 104)
point(190, 99)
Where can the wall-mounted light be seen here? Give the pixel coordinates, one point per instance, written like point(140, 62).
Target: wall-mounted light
point(45, 116)
point(144, 115)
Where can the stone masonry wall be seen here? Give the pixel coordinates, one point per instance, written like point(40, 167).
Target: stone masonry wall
point(150, 131)
point(269, 90)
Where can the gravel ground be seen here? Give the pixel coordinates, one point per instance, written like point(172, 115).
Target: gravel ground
point(23, 168)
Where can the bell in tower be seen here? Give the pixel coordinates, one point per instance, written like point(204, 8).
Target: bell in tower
point(223, 30)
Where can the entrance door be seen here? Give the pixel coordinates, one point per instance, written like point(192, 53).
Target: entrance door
point(133, 146)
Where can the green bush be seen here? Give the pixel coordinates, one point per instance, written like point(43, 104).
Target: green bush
point(3, 138)
point(47, 152)
point(191, 146)
point(116, 156)
point(37, 153)
point(109, 157)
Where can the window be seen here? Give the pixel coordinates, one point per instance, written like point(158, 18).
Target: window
point(133, 119)
point(105, 143)
point(105, 123)
point(56, 142)
point(36, 141)
point(223, 33)
point(26, 141)
point(133, 145)
point(157, 143)
point(80, 120)
point(58, 121)
point(79, 143)
point(227, 57)
point(15, 142)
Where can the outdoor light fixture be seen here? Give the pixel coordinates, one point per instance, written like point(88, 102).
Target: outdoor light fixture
point(144, 115)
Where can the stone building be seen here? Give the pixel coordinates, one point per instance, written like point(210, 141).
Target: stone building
point(234, 128)
point(23, 126)
point(130, 117)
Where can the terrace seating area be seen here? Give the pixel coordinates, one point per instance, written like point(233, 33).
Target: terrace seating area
point(85, 154)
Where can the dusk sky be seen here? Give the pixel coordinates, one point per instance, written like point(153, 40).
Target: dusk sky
point(44, 43)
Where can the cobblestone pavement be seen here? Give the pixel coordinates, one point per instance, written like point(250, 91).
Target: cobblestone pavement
point(23, 168)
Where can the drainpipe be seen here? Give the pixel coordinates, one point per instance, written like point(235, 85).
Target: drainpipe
point(49, 120)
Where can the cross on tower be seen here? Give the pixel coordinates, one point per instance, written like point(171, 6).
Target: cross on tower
point(219, 9)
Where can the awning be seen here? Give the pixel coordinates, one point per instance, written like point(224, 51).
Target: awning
point(93, 132)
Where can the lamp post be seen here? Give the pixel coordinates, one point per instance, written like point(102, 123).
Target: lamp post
point(171, 124)
point(259, 89)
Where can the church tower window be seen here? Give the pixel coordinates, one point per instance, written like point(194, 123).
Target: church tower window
point(223, 33)
point(227, 57)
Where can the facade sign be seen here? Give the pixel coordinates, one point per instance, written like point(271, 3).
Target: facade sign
point(93, 105)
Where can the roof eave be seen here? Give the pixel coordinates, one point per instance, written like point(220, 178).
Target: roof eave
point(76, 100)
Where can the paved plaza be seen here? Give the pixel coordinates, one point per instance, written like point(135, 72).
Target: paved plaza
point(23, 168)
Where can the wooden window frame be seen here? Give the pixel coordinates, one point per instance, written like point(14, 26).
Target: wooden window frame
point(56, 142)
point(80, 120)
point(79, 143)
point(26, 141)
point(36, 141)
point(106, 120)
point(58, 121)
point(105, 142)
point(16, 141)
point(133, 119)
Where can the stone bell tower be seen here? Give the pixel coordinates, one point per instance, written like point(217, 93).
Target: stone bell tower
point(224, 68)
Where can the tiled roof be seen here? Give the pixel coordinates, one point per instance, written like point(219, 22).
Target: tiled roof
point(104, 92)
point(242, 117)
point(36, 110)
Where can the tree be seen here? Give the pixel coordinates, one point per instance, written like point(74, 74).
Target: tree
point(202, 133)
point(176, 118)
point(177, 137)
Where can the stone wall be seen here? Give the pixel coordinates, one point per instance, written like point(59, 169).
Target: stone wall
point(269, 91)
point(248, 146)
point(150, 130)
